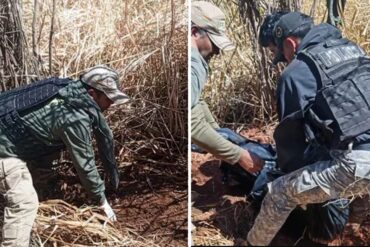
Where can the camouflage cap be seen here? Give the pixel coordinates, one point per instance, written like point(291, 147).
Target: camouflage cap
point(210, 18)
point(105, 80)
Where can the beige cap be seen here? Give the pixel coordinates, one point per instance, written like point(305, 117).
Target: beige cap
point(210, 18)
point(106, 80)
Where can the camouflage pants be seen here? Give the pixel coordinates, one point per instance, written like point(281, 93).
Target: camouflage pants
point(346, 175)
point(21, 202)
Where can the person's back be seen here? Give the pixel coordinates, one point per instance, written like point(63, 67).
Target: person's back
point(44, 118)
point(34, 132)
point(346, 170)
point(208, 37)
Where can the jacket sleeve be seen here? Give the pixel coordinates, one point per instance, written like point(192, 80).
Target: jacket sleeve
point(296, 89)
point(76, 135)
point(105, 143)
point(202, 122)
point(208, 139)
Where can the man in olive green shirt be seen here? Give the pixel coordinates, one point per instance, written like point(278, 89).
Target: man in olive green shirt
point(208, 37)
point(44, 118)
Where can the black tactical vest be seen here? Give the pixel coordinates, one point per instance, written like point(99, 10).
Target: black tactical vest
point(16, 101)
point(341, 110)
point(27, 96)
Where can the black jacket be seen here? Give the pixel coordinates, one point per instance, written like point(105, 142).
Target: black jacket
point(296, 91)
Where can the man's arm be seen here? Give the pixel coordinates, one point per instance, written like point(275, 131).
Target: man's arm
point(76, 135)
point(207, 138)
point(296, 89)
point(105, 143)
point(202, 133)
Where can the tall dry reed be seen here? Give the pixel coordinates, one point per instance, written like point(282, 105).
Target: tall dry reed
point(241, 88)
point(146, 41)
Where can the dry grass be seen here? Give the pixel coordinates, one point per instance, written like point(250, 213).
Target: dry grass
point(146, 42)
point(210, 236)
point(61, 224)
point(241, 88)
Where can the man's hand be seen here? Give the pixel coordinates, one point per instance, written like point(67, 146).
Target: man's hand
point(108, 211)
point(250, 162)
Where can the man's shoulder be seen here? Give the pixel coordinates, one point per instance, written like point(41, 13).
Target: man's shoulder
point(297, 68)
point(195, 55)
point(197, 61)
point(297, 79)
point(65, 114)
point(297, 72)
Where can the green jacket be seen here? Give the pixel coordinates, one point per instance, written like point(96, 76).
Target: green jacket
point(67, 121)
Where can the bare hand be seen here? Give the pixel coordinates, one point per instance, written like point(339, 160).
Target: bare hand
point(250, 162)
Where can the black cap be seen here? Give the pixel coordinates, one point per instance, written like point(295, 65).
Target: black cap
point(265, 36)
point(291, 24)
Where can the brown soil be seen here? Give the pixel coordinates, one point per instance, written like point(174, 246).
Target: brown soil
point(155, 212)
point(152, 206)
point(222, 215)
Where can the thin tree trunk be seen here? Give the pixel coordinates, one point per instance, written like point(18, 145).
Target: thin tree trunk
point(51, 38)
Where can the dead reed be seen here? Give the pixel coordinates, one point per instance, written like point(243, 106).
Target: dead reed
point(210, 236)
point(146, 42)
point(61, 224)
point(16, 66)
point(241, 88)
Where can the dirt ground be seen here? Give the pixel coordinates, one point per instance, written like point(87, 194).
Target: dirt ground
point(155, 208)
point(152, 206)
point(221, 214)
